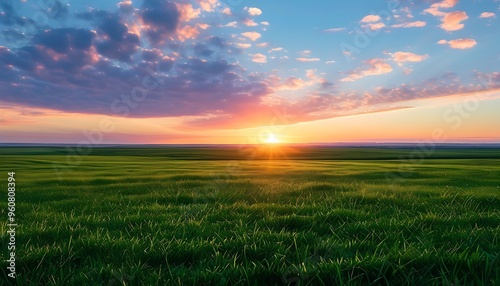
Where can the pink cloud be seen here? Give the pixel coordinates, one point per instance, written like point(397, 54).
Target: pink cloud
point(307, 59)
point(370, 18)
point(452, 21)
point(251, 35)
point(435, 8)
point(401, 57)
point(187, 12)
point(487, 15)
point(249, 23)
point(207, 5)
point(276, 50)
point(334, 30)
point(253, 11)
point(292, 83)
point(243, 46)
point(375, 67)
point(376, 26)
point(461, 44)
point(187, 32)
point(259, 58)
point(416, 24)
point(226, 11)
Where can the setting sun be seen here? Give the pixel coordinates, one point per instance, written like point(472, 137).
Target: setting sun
point(272, 139)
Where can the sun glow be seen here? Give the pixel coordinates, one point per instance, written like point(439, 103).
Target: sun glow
point(271, 139)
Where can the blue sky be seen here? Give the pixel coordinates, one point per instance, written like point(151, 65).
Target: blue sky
point(229, 65)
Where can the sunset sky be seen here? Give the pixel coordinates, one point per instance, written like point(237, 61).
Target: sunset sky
point(236, 71)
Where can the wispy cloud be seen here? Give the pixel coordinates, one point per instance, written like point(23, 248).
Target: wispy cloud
point(373, 67)
point(461, 44)
point(307, 59)
point(487, 15)
point(334, 30)
point(276, 49)
point(415, 24)
point(402, 57)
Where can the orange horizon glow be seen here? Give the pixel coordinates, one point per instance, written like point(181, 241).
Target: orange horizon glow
point(36, 125)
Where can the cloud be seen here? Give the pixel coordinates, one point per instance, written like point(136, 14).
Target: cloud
point(219, 42)
point(161, 19)
point(249, 23)
point(294, 83)
point(375, 67)
point(118, 43)
point(251, 35)
point(445, 4)
point(226, 11)
point(372, 22)
point(492, 80)
point(370, 18)
point(334, 30)
point(452, 21)
point(375, 26)
point(75, 82)
point(259, 58)
point(65, 39)
point(415, 24)
point(307, 59)
point(187, 12)
point(276, 50)
point(402, 57)
point(243, 46)
point(200, 50)
point(207, 5)
point(100, 68)
point(253, 11)
point(305, 53)
point(487, 15)
point(125, 6)
point(461, 44)
point(88, 70)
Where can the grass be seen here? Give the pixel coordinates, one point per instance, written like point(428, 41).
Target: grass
point(159, 217)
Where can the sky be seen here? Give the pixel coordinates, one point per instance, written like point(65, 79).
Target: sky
point(237, 72)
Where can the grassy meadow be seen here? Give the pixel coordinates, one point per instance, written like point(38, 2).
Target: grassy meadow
point(263, 216)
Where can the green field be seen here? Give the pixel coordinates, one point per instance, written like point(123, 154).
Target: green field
point(264, 216)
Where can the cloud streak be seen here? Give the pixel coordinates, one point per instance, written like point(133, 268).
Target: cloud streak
point(373, 67)
point(461, 44)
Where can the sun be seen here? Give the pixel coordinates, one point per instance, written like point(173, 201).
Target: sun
point(271, 139)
